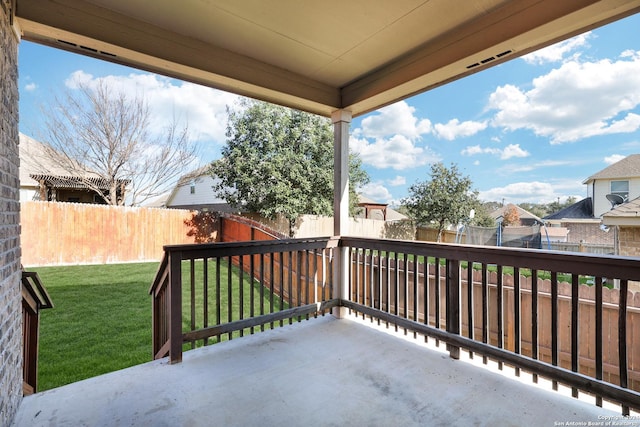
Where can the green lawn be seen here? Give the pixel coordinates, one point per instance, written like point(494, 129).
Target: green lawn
point(101, 321)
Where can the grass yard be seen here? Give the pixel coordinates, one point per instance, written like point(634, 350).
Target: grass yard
point(235, 301)
point(101, 320)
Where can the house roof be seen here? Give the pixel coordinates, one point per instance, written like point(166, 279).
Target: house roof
point(624, 214)
point(629, 167)
point(41, 163)
point(188, 177)
point(579, 210)
point(320, 56)
point(37, 158)
point(522, 213)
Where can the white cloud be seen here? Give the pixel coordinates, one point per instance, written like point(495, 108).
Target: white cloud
point(397, 152)
point(557, 52)
point(577, 100)
point(537, 165)
point(613, 158)
point(30, 87)
point(532, 192)
point(397, 181)
point(474, 150)
point(518, 192)
point(395, 119)
point(389, 138)
point(511, 150)
point(455, 129)
point(376, 191)
point(201, 108)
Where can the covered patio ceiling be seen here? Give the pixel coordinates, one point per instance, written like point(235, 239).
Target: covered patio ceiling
point(318, 56)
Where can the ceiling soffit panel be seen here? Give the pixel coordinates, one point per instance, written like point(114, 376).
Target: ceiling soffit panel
point(491, 38)
point(315, 56)
point(439, 62)
point(88, 29)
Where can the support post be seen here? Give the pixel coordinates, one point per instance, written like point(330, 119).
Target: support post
point(341, 120)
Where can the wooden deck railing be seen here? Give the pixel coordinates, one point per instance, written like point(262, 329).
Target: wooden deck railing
point(508, 305)
point(34, 299)
point(205, 293)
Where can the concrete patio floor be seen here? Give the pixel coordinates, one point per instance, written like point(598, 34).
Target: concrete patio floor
point(321, 372)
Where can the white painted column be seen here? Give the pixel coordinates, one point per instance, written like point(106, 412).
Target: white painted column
point(341, 120)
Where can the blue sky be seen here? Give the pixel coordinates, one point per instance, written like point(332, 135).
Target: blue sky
point(530, 130)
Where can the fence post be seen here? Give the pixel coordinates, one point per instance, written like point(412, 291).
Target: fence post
point(175, 307)
point(453, 285)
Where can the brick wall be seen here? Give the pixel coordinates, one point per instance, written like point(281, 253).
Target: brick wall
point(629, 241)
point(588, 233)
point(10, 297)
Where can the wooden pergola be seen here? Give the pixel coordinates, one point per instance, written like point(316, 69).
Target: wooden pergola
point(50, 184)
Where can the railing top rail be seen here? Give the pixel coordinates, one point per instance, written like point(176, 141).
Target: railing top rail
point(159, 273)
point(620, 267)
point(211, 250)
point(31, 283)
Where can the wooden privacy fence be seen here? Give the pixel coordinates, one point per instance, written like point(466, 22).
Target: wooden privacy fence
point(292, 276)
point(73, 233)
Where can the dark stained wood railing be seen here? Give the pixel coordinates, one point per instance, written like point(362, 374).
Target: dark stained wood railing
point(543, 326)
point(205, 293)
point(523, 308)
point(34, 299)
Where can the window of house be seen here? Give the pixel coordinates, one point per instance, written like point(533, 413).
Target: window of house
point(192, 188)
point(621, 188)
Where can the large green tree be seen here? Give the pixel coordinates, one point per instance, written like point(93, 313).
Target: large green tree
point(279, 161)
point(445, 199)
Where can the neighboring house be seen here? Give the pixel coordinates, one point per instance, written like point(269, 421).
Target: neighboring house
point(626, 217)
point(582, 226)
point(526, 217)
point(194, 191)
point(626, 220)
point(611, 187)
point(619, 181)
point(43, 178)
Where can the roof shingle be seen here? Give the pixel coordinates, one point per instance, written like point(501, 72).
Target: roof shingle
point(629, 167)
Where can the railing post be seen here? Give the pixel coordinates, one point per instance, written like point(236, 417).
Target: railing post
point(175, 307)
point(453, 286)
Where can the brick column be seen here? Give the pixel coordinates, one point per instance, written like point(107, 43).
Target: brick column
point(10, 295)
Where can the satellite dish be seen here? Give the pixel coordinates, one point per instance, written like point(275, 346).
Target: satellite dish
point(615, 199)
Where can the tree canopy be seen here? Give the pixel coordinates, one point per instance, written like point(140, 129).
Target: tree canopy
point(97, 130)
point(279, 161)
point(445, 199)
